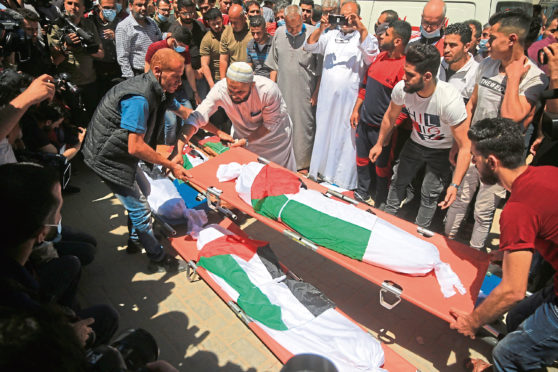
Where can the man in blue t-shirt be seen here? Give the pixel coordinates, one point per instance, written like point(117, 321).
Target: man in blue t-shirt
point(124, 130)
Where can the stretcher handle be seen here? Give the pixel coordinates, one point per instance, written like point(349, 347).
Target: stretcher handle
point(338, 195)
point(191, 271)
point(394, 289)
point(239, 312)
point(425, 232)
point(300, 239)
point(167, 229)
point(216, 206)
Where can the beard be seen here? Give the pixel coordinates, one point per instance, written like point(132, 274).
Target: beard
point(414, 88)
point(239, 101)
point(387, 47)
point(138, 15)
point(187, 21)
point(488, 177)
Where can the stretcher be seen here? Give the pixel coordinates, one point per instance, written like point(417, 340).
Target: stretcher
point(186, 247)
point(423, 291)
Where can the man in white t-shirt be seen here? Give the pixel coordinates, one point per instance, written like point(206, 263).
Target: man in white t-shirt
point(439, 116)
point(507, 85)
point(458, 67)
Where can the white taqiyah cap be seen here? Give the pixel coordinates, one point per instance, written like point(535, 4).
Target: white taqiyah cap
point(241, 72)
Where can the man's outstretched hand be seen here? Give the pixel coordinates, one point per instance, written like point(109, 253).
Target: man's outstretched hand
point(179, 172)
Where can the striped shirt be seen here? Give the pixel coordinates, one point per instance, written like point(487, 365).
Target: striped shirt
point(257, 57)
point(132, 41)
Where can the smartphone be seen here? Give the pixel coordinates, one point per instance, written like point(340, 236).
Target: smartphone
point(337, 19)
point(542, 57)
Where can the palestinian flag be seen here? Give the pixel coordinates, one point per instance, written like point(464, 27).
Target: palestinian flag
point(295, 314)
point(277, 193)
point(214, 143)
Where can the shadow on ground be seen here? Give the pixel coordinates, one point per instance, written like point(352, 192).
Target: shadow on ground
point(160, 303)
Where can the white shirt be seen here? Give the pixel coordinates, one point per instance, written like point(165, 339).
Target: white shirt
point(433, 116)
point(492, 86)
point(463, 79)
point(6, 152)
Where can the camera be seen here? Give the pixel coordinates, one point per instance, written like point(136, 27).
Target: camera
point(86, 39)
point(128, 353)
point(62, 83)
point(12, 35)
point(542, 57)
point(337, 19)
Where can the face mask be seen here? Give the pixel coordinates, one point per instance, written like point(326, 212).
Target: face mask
point(300, 33)
point(429, 35)
point(280, 23)
point(109, 14)
point(128, 10)
point(483, 45)
point(118, 8)
point(58, 236)
point(162, 17)
point(179, 49)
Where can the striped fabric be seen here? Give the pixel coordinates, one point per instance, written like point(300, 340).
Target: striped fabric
point(257, 58)
point(132, 41)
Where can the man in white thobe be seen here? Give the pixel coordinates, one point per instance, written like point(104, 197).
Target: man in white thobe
point(258, 113)
point(348, 50)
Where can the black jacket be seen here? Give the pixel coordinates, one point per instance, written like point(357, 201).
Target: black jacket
point(106, 145)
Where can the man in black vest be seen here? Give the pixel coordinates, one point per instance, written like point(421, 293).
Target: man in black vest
point(123, 130)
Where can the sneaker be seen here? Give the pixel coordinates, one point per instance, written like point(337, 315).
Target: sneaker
point(168, 264)
point(134, 246)
point(363, 198)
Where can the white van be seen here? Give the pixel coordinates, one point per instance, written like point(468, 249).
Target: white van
point(457, 11)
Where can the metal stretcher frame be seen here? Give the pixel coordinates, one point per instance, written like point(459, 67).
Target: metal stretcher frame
point(186, 247)
point(423, 291)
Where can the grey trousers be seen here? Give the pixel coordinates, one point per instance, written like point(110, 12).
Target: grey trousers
point(488, 198)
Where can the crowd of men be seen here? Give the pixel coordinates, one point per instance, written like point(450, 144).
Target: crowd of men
point(450, 111)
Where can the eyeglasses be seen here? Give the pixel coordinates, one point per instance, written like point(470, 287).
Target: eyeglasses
point(430, 24)
point(306, 10)
point(205, 8)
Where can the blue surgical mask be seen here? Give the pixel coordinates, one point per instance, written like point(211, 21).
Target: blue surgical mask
point(179, 49)
point(118, 8)
point(109, 14)
point(58, 226)
point(483, 45)
point(162, 17)
point(280, 23)
point(429, 35)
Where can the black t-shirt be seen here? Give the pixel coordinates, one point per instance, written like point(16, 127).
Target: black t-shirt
point(34, 137)
point(34, 59)
point(198, 32)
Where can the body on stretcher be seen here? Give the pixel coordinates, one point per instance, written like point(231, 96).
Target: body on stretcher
point(348, 345)
point(469, 265)
point(317, 327)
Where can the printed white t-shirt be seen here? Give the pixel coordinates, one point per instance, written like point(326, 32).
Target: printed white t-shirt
point(492, 86)
point(433, 116)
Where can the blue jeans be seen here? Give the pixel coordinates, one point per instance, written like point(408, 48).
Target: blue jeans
point(173, 123)
point(533, 339)
point(412, 158)
point(139, 214)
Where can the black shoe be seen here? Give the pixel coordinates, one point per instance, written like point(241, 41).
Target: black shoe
point(134, 246)
point(168, 264)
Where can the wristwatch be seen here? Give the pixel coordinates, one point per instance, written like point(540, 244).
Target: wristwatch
point(454, 185)
point(245, 142)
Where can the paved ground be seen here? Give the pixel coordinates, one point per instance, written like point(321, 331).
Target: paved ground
point(196, 331)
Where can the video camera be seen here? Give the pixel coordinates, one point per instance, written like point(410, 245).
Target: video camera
point(87, 40)
point(12, 35)
point(129, 353)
